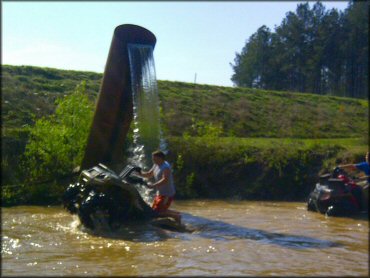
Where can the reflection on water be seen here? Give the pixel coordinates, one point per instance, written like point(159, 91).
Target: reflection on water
point(228, 238)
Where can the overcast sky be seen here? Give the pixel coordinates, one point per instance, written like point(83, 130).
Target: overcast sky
point(192, 37)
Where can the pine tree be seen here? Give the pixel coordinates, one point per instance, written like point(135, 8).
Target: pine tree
point(312, 50)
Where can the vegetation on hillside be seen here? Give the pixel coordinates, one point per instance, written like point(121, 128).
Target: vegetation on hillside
point(57, 142)
point(256, 168)
point(244, 112)
point(313, 50)
point(55, 146)
point(223, 142)
point(30, 92)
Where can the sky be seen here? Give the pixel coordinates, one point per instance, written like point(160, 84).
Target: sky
point(196, 41)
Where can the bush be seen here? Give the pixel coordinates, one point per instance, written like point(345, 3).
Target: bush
point(57, 142)
point(268, 169)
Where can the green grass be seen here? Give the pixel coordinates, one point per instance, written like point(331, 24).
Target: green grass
point(263, 137)
point(286, 142)
point(243, 112)
point(250, 168)
point(30, 92)
point(255, 113)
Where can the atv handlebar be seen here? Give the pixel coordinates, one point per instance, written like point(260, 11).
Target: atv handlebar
point(137, 169)
point(338, 171)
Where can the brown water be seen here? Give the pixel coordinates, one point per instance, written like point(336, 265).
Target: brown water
point(230, 238)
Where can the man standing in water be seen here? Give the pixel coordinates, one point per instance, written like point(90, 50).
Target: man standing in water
point(162, 174)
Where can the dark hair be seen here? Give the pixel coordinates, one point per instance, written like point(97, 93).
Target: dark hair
point(159, 154)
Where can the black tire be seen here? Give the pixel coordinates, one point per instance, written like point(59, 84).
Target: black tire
point(91, 205)
point(311, 205)
point(333, 211)
point(71, 197)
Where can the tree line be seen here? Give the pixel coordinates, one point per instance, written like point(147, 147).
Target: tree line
point(313, 50)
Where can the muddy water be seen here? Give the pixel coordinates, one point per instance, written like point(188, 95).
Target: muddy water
point(229, 238)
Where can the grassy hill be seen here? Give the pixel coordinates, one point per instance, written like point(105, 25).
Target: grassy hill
point(244, 112)
point(28, 91)
point(240, 137)
point(241, 112)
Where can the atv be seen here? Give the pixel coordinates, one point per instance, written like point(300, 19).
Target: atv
point(101, 196)
point(336, 194)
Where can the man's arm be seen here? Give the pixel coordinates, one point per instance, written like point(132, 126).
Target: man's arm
point(348, 166)
point(363, 177)
point(164, 180)
point(148, 174)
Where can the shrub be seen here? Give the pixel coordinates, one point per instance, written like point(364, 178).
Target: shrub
point(57, 142)
point(269, 169)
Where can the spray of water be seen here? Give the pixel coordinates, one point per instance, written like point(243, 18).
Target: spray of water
point(147, 135)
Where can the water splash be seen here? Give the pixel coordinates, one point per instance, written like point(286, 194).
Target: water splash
point(147, 134)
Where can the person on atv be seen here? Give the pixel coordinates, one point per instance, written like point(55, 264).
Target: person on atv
point(362, 166)
point(162, 174)
point(356, 190)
